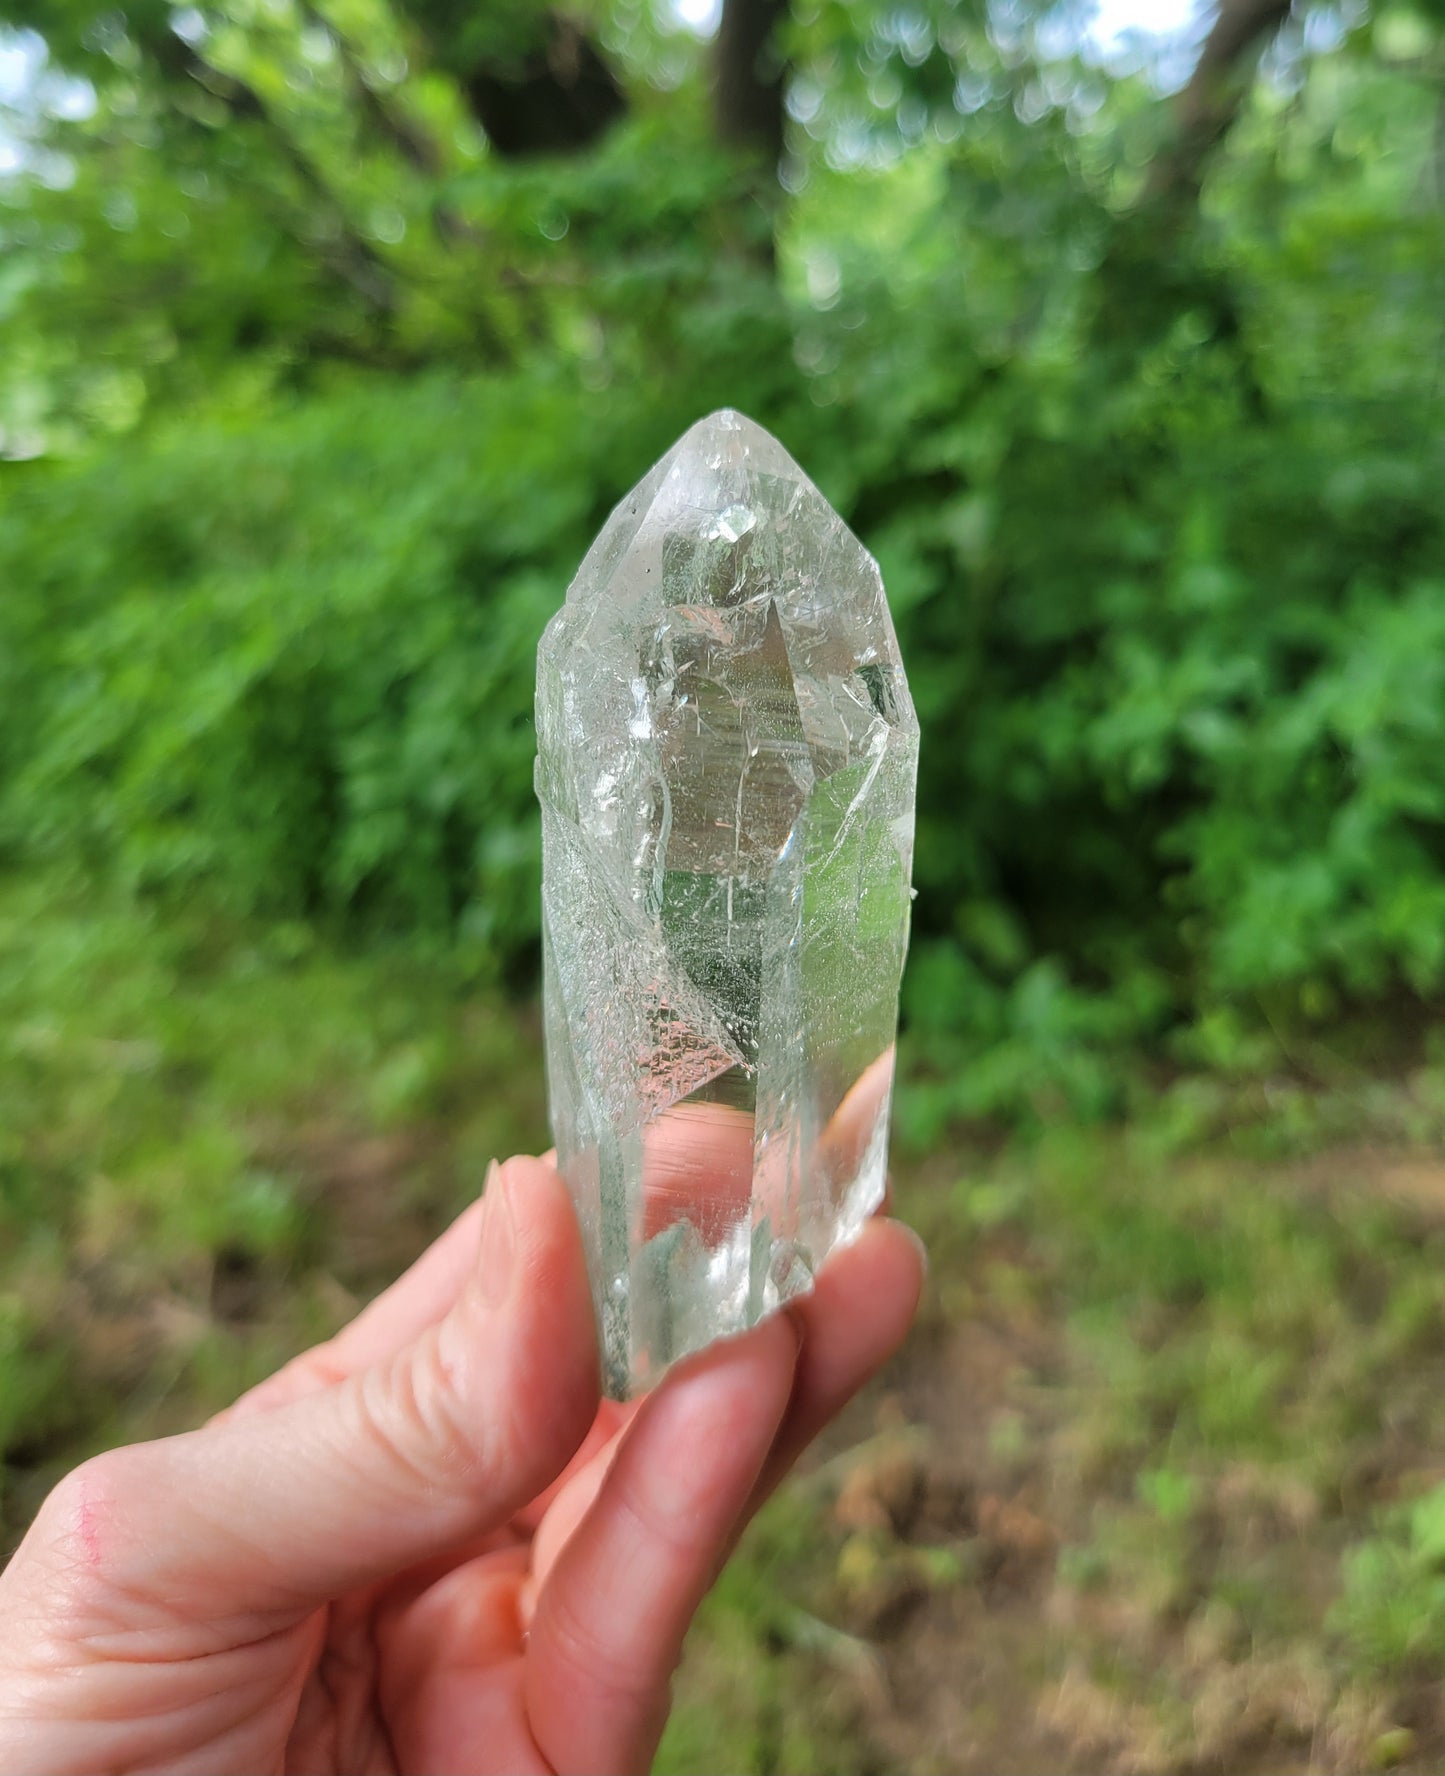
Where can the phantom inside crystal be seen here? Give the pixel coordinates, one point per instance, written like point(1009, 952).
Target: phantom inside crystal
point(726, 762)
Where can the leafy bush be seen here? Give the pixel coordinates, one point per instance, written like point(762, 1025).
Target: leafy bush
point(1169, 575)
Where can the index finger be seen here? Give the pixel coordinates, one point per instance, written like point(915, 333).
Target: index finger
point(611, 1616)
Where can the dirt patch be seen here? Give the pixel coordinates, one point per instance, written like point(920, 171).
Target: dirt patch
point(1410, 1180)
point(950, 1550)
point(966, 1521)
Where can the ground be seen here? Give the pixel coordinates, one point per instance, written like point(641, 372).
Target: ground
point(1151, 1508)
point(1158, 1485)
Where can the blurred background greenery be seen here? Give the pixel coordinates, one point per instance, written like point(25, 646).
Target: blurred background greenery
point(331, 330)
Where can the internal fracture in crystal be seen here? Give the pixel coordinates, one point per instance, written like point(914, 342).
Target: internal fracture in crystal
point(726, 763)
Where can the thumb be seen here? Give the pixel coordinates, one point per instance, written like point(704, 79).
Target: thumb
point(283, 1510)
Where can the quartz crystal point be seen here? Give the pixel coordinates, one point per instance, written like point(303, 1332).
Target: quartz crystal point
point(726, 761)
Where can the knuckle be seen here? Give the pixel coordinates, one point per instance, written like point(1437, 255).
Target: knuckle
point(86, 1506)
point(589, 1652)
point(415, 1413)
point(76, 1554)
point(657, 1518)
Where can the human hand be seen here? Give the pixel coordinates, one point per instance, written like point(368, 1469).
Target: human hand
point(425, 1545)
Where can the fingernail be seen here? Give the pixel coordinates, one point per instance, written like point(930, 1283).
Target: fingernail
point(499, 1237)
point(917, 1239)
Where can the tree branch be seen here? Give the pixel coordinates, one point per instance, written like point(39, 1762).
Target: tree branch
point(389, 122)
point(352, 257)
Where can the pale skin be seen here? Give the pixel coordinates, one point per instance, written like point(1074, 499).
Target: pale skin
point(425, 1545)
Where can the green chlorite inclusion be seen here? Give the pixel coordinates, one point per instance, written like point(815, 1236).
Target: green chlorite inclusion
point(726, 761)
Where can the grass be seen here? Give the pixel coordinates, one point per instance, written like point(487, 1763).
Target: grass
point(1237, 1394)
point(1157, 1485)
point(213, 1144)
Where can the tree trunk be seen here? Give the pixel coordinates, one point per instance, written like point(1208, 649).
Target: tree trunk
point(749, 78)
point(1211, 101)
point(1154, 270)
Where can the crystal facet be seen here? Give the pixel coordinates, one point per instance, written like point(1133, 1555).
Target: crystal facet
point(726, 762)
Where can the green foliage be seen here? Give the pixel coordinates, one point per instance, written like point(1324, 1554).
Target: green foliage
point(296, 663)
point(311, 400)
point(1392, 1608)
point(1156, 497)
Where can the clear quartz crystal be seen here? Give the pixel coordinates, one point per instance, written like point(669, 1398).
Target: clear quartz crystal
point(726, 763)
